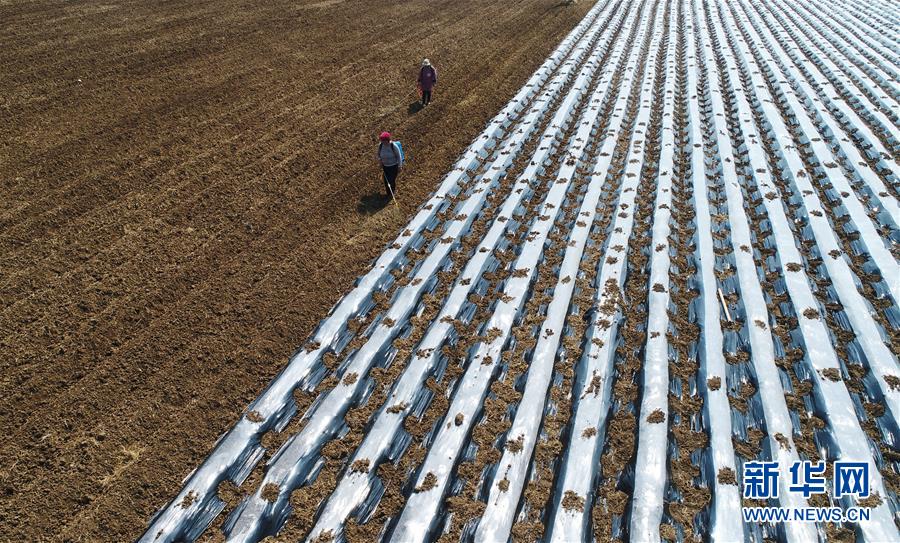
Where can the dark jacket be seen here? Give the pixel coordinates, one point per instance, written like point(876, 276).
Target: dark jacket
point(427, 77)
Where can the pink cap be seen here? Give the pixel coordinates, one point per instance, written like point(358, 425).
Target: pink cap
point(385, 136)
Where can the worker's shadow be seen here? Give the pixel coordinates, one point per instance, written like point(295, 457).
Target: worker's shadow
point(414, 108)
point(562, 4)
point(370, 204)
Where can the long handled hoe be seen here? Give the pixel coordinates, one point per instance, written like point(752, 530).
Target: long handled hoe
point(394, 198)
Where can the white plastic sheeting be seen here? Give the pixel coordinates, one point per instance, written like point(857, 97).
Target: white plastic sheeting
point(416, 519)
point(652, 453)
point(502, 504)
point(884, 363)
point(712, 359)
point(777, 415)
point(848, 434)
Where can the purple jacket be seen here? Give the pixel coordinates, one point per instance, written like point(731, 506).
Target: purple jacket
point(427, 77)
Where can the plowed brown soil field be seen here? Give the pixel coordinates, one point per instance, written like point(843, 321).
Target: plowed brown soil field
point(188, 187)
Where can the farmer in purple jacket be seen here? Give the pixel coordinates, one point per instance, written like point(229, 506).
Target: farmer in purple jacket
point(427, 80)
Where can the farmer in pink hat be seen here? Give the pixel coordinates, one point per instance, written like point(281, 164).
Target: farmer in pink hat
point(390, 155)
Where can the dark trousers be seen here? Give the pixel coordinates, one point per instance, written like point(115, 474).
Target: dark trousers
point(426, 97)
point(390, 178)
